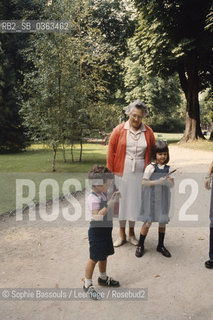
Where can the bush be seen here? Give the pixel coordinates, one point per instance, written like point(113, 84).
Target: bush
point(168, 125)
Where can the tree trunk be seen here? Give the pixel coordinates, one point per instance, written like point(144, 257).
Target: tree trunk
point(72, 155)
point(54, 158)
point(64, 153)
point(191, 90)
point(81, 150)
point(81, 145)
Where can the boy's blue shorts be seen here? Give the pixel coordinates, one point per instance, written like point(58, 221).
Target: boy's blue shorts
point(100, 240)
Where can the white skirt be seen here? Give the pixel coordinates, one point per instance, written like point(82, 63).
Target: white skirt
point(130, 187)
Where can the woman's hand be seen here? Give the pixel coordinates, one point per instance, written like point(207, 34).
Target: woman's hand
point(114, 198)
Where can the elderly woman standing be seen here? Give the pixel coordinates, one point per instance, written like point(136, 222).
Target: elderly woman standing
point(128, 154)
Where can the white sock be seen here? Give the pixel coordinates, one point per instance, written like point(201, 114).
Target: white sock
point(103, 275)
point(88, 282)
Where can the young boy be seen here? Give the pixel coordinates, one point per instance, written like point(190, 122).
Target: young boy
point(100, 230)
point(208, 182)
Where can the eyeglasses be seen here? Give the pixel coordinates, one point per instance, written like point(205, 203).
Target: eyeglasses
point(135, 116)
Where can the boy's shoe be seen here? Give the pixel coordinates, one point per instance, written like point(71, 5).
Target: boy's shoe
point(164, 252)
point(209, 264)
point(92, 292)
point(109, 282)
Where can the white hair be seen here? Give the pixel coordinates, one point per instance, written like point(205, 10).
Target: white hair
point(136, 104)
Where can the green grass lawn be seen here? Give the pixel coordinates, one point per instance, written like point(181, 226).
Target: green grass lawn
point(169, 137)
point(35, 164)
point(38, 158)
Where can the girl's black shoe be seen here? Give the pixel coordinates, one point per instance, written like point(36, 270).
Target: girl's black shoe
point(139, 251)
point(164, 252)
point(209, 264)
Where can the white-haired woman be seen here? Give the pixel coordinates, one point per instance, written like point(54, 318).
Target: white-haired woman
point(128, 154)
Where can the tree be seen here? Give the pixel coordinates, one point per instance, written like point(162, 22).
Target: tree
point(52, 89)
point(162, 96)
point(66, 82)
point(12, 133)
point(173, 38)
point(116, 21)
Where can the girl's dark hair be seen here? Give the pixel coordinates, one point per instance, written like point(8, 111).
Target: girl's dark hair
point(98, 175)
point(159, 146)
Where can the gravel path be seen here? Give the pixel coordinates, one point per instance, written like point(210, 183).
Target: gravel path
point(38, 254)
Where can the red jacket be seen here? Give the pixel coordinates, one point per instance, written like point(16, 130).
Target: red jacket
point(117, 148)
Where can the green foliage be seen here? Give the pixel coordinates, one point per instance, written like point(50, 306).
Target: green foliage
point(116, 21)
point(12, 138)
point(170, 30)
point(104, 117)
point(207, 109)
point(169, 125)
point(175, 36)
point(162, 96)
point(66, 89)
point(12, 133)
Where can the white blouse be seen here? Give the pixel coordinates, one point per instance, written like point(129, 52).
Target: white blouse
point(135, 149)
point(150, 169)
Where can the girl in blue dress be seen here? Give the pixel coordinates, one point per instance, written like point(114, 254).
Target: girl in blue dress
point(156, 197)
